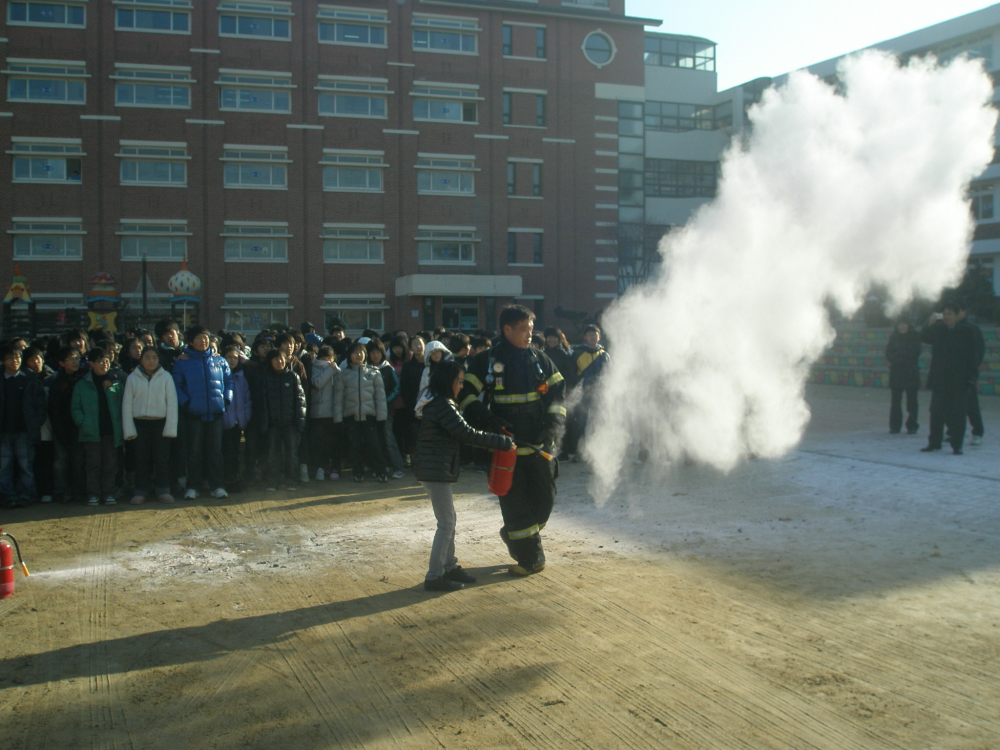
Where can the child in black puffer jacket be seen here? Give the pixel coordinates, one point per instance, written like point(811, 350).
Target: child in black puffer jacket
point(437, 464)
point(283, 418)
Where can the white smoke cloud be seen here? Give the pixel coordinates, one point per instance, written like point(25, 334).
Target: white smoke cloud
point(832, 192)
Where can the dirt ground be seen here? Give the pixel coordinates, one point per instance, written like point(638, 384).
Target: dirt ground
point(843, 597)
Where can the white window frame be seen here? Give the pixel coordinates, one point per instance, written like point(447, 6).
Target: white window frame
point(169, 152)
point(46, 149)
point(82, 4)
point(360, 160)
point(138, 74)
point(256, 231)
point(440, 167)
point(163, 6)
point(371, 88)
point(461, 25)
point(274, 10)
point(256, 303)
point(39, 226)
point(457, 235)
point(372, 234)
point(441, 94)
point(368, 303)
point(535, 232)
point(238, 154)
point(332, 15)
point(45, 70)
point(976, 194)
point(170, 228)
point(251, 80)
point(58, 301)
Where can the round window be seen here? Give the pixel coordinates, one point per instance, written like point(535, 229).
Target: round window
point(599, 48)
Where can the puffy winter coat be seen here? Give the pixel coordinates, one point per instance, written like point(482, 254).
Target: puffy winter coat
point(359, 393)
point(34, 404)
point(204, 384)
point(240, 408)
point(284, 400)
point(323, 375)
point(149, 397)
point(61, 385)
point(442, 431)
point(86, 409)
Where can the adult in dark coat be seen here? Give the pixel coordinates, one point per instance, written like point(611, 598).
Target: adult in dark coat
point(903, 352)
point(436, 464)
point(953, 373)
point(975, 414)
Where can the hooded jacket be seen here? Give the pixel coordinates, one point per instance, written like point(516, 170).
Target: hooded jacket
point(149, 397)
point(323, 375)
point(204, 384)
point(437, 457)
point(86, 409)
point(359, 393)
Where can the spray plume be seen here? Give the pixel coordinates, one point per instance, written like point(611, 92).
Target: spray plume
point(831, 193)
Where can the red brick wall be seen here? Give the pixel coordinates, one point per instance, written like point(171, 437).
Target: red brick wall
point(567, 211)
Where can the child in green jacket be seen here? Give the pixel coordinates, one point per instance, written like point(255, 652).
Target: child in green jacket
point(97, 411)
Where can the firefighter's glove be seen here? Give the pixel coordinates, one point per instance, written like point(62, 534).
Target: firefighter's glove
point(499, 424)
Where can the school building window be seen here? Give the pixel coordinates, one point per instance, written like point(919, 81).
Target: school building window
point(354, 243)
point(343, 96)
point(673, 178)
point(153, 163)
point(46, 81)
point(51, 160)
point(47, 238)
point(156, 239)
point(444, 103)
point(251, 313)
point(256, 20)
point(441, 173)
point(260, 167)
point(353, 170)
point(255, 91)
point(152, 86)
point(159, 16)
point(449, 34)
point(356, 311)
point(68, 15)
point(524, 246)
point(256, 241)
point(446, 245)
point(352, 26)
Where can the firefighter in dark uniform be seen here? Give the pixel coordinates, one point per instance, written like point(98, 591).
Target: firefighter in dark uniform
point(515, 387)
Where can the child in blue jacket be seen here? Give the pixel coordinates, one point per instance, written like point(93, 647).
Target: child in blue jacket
point(204, 390)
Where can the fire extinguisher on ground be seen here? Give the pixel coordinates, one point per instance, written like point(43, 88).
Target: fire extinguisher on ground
point(7, 564)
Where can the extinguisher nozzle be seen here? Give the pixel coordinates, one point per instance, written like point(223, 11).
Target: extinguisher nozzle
point(25, 569)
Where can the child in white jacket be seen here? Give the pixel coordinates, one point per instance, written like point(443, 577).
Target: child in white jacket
point(149, 416)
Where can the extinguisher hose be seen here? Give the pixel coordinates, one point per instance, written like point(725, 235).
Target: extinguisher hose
point(539, 451)
point(24, 568)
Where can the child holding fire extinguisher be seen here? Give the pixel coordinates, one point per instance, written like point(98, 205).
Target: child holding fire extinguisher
point(437, 463)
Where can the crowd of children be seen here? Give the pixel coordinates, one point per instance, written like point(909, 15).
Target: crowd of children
point(91, 417)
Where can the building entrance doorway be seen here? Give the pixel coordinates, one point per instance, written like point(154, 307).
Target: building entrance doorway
point(460, 313)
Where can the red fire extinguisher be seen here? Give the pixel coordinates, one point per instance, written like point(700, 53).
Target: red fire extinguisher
point(502, 471)
point(7, 565)
point(502, 468)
